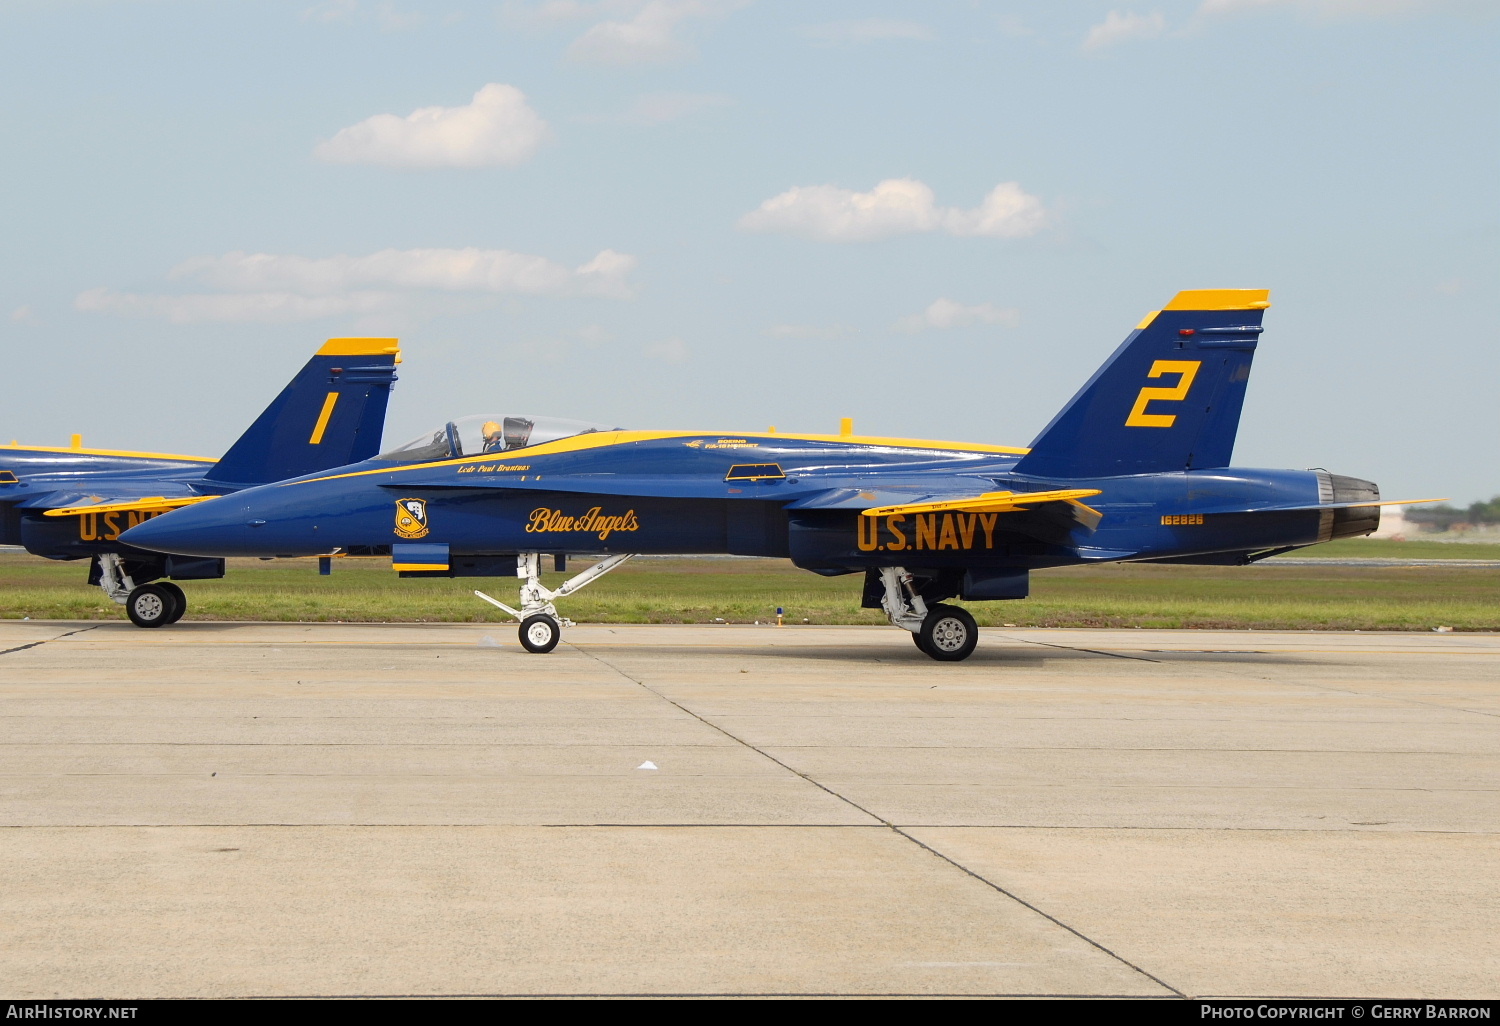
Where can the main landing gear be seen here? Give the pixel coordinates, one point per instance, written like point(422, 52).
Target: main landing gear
point(148, 605)
point(541, 627)
point(946, 633)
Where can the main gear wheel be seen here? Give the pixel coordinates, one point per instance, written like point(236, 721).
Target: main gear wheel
point(948, 633)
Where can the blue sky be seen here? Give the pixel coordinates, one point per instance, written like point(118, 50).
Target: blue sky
point(936, 218)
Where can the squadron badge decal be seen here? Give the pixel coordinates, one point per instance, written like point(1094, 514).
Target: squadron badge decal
point(411, 518)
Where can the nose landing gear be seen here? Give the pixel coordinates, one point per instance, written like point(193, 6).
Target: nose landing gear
point(541, 626)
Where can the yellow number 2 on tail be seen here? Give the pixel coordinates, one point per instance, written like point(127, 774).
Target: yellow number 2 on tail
point(1138, 415)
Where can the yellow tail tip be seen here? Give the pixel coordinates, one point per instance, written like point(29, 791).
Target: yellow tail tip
point(360, 347)
point(1220, 299)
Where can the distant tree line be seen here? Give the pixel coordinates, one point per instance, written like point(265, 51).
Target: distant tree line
point(1443, 517)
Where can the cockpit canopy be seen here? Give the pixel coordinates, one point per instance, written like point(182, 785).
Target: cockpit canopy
point(484, 433)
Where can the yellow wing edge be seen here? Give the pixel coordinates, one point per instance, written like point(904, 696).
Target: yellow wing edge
point(149, 504)
point(991, 502)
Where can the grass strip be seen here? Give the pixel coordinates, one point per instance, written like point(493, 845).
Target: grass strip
point(1263, 596)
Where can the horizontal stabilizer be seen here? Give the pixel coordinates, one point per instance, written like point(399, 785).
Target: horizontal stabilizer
point(146, 504)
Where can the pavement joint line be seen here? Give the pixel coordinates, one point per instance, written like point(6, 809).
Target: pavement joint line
point(1090, 651)
point(898, 830)
point(38, 644)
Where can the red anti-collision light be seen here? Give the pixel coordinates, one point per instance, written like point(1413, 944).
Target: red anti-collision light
point(1186, 332)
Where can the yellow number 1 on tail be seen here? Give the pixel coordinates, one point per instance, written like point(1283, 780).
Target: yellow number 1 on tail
point(1138, 415)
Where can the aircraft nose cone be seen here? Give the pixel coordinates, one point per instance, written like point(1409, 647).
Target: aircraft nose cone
point(219, 527)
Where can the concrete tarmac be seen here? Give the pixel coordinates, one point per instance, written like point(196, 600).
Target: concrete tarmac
point(223, 809)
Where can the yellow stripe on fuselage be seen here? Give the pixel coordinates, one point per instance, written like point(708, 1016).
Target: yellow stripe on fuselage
point(107, 452)
point(603, 439)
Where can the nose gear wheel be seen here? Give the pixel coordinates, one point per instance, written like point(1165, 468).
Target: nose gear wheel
point(540, 633)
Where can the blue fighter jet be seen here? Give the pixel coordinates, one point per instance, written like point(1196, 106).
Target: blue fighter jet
point(76, 503)
point(1135, 467)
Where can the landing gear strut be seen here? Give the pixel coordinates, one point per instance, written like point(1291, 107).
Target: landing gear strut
point(147, 605)
point(541, 627)
point(946, 633)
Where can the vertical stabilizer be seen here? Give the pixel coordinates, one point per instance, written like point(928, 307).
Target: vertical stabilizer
point(1169, 398)
point(331, 414)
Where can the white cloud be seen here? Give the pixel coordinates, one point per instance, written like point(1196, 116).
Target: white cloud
point(668, 350)
point(827, 213)
point(1120, 27)
point(498, 127)
point(279, 287)
point(896, 206)
point(652, 34)
point(24, 315)
point(868, 30)
point(605, 275)
point(945, 313)
point(659, 108)
point(1006, 213)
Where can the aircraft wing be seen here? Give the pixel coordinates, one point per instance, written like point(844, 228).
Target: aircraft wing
point(145, 504)
point(1002, 502)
